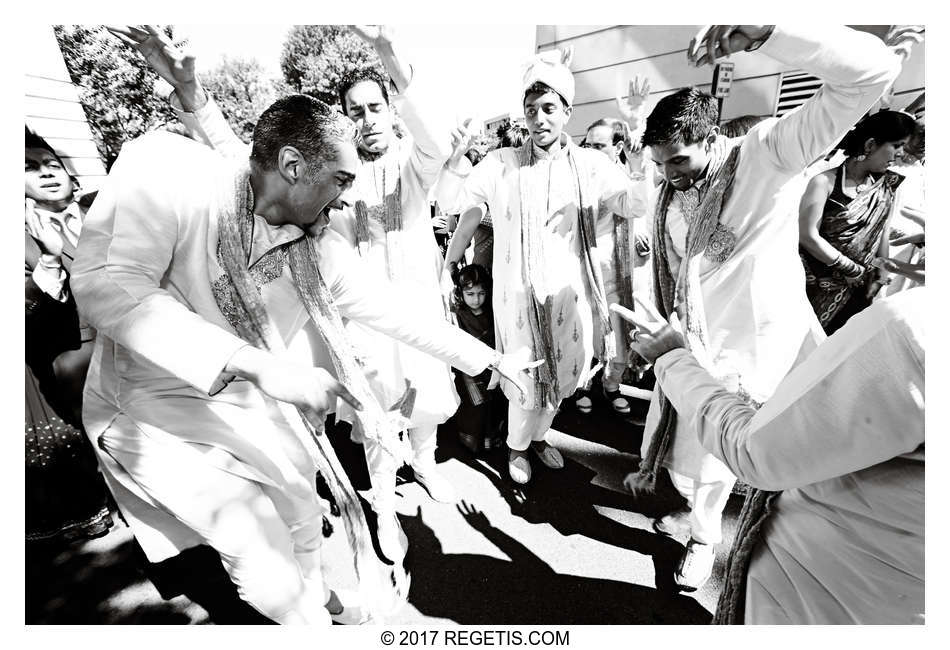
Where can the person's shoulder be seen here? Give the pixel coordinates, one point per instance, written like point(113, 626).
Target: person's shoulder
point(161, 148)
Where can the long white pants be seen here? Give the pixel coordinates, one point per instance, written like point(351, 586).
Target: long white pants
point(382, 467)
point(706, 503)
point(527, 426)
point(269, 540)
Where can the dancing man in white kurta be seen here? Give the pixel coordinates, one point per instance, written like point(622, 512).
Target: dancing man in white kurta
point(388, 226)
point(725, 246)
point(197, 271)
point(545, 198)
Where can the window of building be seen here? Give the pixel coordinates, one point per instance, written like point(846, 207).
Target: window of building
point(794, 88)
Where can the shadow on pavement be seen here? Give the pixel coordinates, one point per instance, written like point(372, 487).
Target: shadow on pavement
point(478, 589)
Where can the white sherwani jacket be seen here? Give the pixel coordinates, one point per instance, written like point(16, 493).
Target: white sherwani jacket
point(758, 319)
point(144, 276)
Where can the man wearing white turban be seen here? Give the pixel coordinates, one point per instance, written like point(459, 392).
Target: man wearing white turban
point(546, 198)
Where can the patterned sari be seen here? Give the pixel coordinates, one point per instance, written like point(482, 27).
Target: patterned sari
point(854, 227)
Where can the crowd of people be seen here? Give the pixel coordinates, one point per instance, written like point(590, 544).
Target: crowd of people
point(240, 294)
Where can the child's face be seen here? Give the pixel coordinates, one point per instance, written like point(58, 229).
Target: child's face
point(474, 297)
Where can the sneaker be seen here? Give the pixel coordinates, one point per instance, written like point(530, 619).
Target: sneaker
point(437, 486)
point(393, 542)
point(584, 405)
point(618, 402)
point(673, 524)
point(696, 565)
point(519, 467)
point(550, 456)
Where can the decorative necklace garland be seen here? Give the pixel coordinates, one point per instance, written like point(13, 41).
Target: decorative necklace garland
point(387, 213)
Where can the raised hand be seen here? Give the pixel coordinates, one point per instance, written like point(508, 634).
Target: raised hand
point(373, 34)
point(47, 237)
point(902, 38)
point(172, 63)
point(716, 41)
point(654, 336)
point(463, 137)
point(637, 93)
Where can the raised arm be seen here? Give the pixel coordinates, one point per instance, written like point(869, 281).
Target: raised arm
point(196, 110)
point(856, 69)
point(417, 104)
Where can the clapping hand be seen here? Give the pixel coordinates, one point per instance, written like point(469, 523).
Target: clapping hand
point(653, 335)
point(717, 41)
point(47, 237)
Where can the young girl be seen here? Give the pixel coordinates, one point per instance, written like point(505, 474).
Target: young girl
point(480, 415)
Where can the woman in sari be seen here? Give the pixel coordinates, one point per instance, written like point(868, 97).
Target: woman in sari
point(843, 217)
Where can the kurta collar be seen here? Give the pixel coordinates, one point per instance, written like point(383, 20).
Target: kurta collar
point(562, 152)
point(267, 237)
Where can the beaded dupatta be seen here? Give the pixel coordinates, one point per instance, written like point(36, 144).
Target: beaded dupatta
point(706, 237)
point(534, 192)
point(255, 326)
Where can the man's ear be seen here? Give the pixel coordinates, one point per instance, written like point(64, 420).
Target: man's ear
point(291, 164)
point(713, 134)
point(568, 110)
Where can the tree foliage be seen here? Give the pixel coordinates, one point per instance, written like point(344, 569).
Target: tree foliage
point(316, 58)
point(242, 90)
point(115, 86)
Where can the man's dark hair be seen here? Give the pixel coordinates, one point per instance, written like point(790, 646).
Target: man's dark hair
point(739, 126)
point(538, 88)
point(616, 125)
point(34, 141)
point(685, 117)
point(364, 75)
point(302, 122)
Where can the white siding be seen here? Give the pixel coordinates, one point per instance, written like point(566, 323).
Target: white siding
point(606, 57)
point(53, 111)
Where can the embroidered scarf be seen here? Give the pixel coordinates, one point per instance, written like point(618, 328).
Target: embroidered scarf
point(534, 180)
point(706, 237)
point(248, 314)
point(388, 213)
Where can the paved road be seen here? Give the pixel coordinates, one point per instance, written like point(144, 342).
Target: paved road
point(572, 547)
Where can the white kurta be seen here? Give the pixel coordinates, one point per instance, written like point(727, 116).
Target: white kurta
point(145, 276)
point(843, 437)
point(416, 161)
point(414, 272)
point(495, 181)
point(758, 319)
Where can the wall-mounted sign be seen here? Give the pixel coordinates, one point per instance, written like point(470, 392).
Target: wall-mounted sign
point(722, 79)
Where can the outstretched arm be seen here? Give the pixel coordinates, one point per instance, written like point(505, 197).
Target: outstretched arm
point(195, 108)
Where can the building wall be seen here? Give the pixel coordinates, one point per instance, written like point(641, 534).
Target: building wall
point(53, 110)
point(606, 57)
